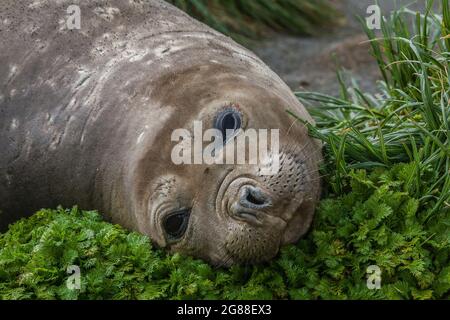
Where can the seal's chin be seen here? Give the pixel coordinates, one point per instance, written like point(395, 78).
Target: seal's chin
point(250, 245)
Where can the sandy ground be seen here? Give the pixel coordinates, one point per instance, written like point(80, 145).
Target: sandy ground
point(308, 63)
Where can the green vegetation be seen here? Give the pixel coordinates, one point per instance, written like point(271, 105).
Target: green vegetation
point(244, 20)
point(377, 223)
point(386, 203)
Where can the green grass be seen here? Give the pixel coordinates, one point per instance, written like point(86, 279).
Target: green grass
point(377, 223)
point(386, 203)
point(407, 121)
point(245, 20)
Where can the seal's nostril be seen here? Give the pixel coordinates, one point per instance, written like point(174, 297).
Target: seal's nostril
point(253, 197)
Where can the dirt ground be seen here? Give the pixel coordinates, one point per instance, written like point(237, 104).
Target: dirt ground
point(308, 63)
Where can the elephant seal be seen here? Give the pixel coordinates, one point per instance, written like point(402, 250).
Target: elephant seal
point(87, 116)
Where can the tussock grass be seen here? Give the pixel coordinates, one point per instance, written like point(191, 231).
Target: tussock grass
point(244, 20)
point(407, 121)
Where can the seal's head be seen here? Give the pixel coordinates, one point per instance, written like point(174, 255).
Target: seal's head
point(227, 213)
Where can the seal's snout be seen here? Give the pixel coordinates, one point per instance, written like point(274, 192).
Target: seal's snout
point(249, 205)
point(253, 198)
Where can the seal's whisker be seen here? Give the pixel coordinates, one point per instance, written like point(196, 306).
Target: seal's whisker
point(290, 127)
point(316, 179)
point(224, 259)
point(297, 146)
point(294, 121)
point(311, 155)
point(223, 262)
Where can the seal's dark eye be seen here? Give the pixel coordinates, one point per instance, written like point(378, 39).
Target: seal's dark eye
point(228, 120)
point(175, 224)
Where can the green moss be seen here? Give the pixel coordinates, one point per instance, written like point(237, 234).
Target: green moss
point(376, 223)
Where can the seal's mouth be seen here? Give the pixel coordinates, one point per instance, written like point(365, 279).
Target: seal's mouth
point(250, 216)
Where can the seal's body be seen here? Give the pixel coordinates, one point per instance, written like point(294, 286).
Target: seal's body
point(86, 117)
